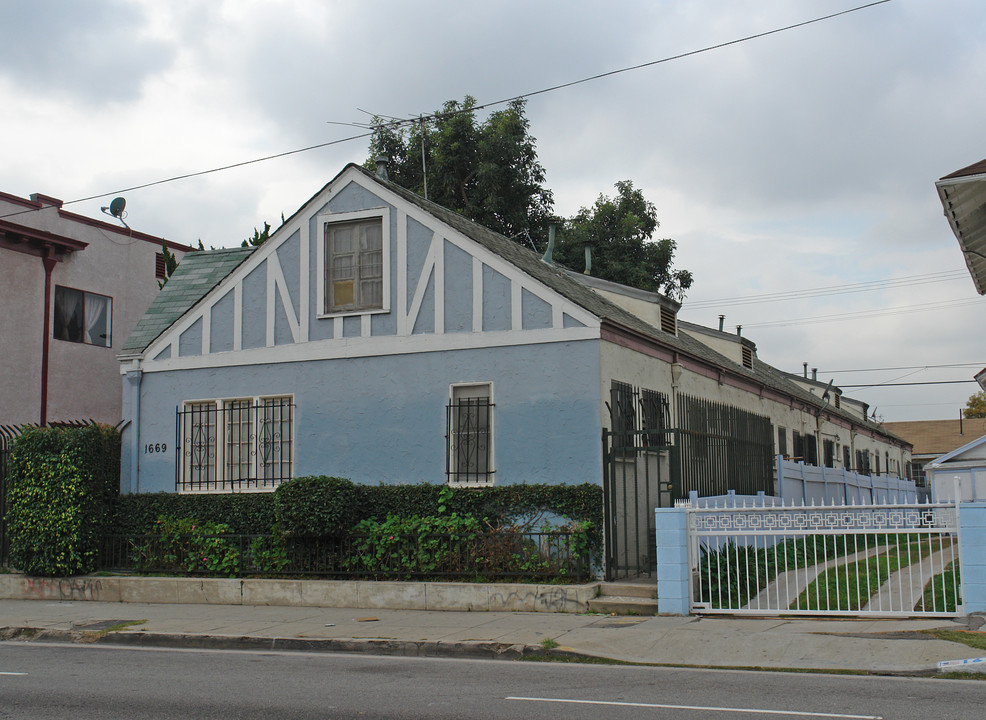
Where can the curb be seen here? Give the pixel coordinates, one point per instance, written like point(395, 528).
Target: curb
point(471, 649)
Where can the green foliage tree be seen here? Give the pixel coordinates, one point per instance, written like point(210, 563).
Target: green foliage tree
point(170, 263)
point(976, 406)
point(259, 238)
point(618, 230)
point(488, 171)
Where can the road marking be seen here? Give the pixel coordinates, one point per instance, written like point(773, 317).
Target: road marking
point(758, 711)
point(10, 673)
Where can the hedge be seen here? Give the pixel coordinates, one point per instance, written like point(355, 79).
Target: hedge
point(62, 486)
point(320, 505)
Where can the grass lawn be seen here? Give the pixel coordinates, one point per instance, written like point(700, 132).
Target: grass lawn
point(850, 586)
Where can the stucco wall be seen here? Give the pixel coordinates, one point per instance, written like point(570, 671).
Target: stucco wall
point(382, 419)
point(636, 368)
point(83, 380)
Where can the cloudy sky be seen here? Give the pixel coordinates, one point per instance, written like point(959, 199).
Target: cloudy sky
point(798, 161)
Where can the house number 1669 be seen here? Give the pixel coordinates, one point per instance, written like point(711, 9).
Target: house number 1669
point(155, 448)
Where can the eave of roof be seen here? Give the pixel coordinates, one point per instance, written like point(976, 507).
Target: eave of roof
point(14, 235)
point(963, 198)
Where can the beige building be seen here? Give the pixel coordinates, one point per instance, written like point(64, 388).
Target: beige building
point(71, 290)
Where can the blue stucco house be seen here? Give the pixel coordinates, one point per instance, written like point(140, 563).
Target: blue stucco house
point(380, 337)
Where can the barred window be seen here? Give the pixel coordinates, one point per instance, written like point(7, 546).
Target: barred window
point(235, 444)
point(469, 435)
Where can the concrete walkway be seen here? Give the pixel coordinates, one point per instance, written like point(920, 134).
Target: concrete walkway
point(881, 646)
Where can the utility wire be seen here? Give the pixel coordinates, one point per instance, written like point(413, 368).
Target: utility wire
point(865, 314)
point(903, 367)
point(893, 384)
point(444, 115)
point(867, 286)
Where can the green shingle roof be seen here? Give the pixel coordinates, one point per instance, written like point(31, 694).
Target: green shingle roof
point(195, 276)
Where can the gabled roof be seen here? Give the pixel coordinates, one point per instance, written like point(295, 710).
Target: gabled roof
point(935, 437)
point(195, 276)
point(955, 454)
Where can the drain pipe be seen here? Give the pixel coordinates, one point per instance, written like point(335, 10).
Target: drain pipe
point(48, 259)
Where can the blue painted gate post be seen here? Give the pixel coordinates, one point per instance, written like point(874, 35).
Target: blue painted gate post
point(672, 561)
point(972, 555)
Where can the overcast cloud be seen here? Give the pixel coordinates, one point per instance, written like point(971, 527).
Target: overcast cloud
point(799, 160)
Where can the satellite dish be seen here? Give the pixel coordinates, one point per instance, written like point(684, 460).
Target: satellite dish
point(117, 207)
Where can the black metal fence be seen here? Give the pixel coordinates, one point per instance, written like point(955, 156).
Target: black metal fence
point(723, 448)
point(476, 556)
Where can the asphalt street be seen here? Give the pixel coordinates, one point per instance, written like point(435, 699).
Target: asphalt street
point(54, 681)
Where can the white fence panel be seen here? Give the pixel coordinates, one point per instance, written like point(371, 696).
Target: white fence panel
point(822, 486)
point(884, 559)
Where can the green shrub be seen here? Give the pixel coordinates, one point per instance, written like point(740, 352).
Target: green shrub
point(320, 506)
point(62, 485)
point(415, 545)
point(188, 545)
point(316, 506)
point(244, 513)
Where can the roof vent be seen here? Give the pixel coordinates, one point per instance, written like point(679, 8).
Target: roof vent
point(669, 321)
point(747, 358)
point(382, 161)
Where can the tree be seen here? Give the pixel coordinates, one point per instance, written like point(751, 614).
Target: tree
point(618, 232)
point(259, 238)
point(487, 171)
point(976, 406)
point(170, 263)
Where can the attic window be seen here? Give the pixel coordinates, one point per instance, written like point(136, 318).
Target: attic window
point(669, 322)
point(747, 357)
point(160, 267)
point(838, 401)
point(354, 259)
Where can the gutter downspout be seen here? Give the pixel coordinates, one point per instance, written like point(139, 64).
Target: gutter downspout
point(49, 264)
point(133, 380)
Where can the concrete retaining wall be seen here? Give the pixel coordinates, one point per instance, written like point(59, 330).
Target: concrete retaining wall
point(304, 593)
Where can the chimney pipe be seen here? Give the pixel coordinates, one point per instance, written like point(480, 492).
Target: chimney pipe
point(588, 261)
point(382, 167)
point(722, 322)
point(814, 374)
point(551, 245)
point(739, 329)
point(806, 370)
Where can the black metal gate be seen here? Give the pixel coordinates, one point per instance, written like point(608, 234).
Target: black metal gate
point(647, 464)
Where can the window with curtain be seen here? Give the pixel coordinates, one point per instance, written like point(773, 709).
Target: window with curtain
point(83, 317)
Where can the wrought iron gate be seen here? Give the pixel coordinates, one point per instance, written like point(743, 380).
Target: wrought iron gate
point(649, 464)
point(900, 559)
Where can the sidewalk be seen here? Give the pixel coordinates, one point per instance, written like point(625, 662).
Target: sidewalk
point(881, 646)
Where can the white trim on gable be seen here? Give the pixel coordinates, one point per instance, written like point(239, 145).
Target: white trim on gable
point(433, 270)
point(355, 347)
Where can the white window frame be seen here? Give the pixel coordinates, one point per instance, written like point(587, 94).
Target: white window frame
point(450, 447)
point(222, 408)
point(321, 291)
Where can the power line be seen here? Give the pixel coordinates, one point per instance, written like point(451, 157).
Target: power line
point(443, 115)
point(893, 384)
point(865, 314)
point(903, 367)
point(866, 286)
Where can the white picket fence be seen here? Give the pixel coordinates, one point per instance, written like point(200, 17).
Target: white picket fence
point(759, 557)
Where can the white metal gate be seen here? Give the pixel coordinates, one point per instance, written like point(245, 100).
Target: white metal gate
point(900, 560)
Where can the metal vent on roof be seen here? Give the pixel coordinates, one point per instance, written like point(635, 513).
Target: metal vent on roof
point(838, 401)
point(747, 357)
point(669, 321)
